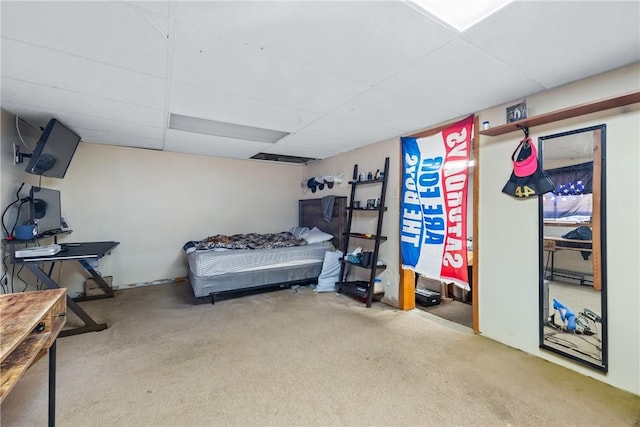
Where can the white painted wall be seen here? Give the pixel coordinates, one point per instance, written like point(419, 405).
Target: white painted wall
point(508, 229)
point(153, 202)
point(12, 176)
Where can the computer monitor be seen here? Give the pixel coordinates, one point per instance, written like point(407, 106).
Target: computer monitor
point(54, 151)
point(45, 210)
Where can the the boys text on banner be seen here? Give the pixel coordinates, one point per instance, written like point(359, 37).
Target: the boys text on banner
point(433, 217)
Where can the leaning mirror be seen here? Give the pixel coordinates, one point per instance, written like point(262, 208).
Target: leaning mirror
point(573, 315)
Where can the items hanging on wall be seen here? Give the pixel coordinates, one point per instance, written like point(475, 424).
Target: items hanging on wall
point(319, 182)
point(527, 179)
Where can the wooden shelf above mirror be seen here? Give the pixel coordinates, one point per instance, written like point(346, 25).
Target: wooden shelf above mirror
point(565, 113)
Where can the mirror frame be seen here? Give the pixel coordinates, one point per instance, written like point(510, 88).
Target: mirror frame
point(598, 226)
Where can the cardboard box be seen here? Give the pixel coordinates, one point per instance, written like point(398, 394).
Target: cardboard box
point(91, 288)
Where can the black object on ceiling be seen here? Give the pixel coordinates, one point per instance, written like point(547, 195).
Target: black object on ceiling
point(283, 158)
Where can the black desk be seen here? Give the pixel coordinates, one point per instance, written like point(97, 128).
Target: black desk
point(82, 253)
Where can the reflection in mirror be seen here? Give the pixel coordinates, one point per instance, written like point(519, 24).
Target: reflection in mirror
point(572, 250)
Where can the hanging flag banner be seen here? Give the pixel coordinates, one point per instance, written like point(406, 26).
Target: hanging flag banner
point(433, 216)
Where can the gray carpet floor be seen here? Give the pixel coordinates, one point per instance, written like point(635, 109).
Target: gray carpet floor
point(294, 357)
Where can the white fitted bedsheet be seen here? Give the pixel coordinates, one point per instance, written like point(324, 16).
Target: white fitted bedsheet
point(213, 262)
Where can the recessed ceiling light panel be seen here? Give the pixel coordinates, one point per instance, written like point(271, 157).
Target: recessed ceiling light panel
point(225, 129)
point(460, 14)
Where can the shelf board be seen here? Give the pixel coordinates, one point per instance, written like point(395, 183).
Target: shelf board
point(367, 181)
point(366, 209)
point(365, 236)
point(379, 266)
point(565, 113)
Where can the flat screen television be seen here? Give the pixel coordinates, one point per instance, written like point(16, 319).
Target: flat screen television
point(54, 151)
point(45, 210)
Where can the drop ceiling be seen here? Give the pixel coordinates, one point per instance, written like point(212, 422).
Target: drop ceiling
point(334, 75)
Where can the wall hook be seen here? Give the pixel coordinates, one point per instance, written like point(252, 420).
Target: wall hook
point(524, 129)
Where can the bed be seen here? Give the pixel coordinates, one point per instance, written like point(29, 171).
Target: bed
point(222, 265)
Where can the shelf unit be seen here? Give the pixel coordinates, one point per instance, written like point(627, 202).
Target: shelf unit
point(364, 288)
point(565, 113)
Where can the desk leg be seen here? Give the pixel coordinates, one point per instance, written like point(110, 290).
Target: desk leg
point(550, 260)
point(90, 324)
point(52, 384)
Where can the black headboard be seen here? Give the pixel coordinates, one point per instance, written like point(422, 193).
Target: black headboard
point(311, 215)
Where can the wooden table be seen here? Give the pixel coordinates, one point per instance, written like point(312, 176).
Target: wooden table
point(555, 243)
point(552, 244)
point(30, 322)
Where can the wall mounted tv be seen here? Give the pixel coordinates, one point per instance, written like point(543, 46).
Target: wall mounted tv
point(54, 151)
point(45, 210)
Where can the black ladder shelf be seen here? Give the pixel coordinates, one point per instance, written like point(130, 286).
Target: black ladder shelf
point(361, 288)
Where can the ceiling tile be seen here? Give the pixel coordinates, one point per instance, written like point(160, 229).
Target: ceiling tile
point(114, 33)
point(95, 129)
point(160, 8)
point(208, 145)
point(235, 68)
point(47, 100)
point(377, 106)
point(122, 140)
point(573, 40)
point(101, 124)
point(75, 74)
point(314, 146)
point(357, 133)
point(357, 40)
point(453, 78)
point(206, 103)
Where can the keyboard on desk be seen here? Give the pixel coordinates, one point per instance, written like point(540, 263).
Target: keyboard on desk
point(38, 251)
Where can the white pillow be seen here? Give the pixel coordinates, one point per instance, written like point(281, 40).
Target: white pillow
point(330, 273)
point(315, 235)
point(298, 231)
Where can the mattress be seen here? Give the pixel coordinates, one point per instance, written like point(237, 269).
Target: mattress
point(219, 262)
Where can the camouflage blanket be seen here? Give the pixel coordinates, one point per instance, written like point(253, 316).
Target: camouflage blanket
point(250, 241)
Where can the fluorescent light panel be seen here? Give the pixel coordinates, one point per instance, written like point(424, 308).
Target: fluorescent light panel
point(461, 14)
point(225, 129)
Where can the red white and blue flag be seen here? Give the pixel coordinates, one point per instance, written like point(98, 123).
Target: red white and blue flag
point(433, 217)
